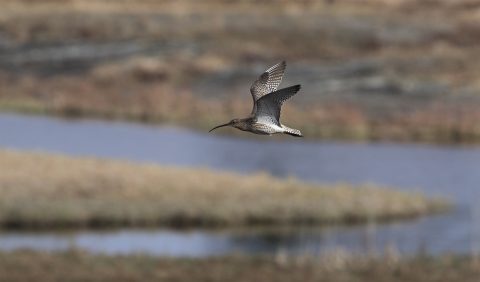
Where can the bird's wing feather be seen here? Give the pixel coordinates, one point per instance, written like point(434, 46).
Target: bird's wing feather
point(269, 106)
point(268, 82)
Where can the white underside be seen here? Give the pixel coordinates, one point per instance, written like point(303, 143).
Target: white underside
point(277, 128)
point(273, 128)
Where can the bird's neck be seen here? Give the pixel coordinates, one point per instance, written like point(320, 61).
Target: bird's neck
point(243, 124)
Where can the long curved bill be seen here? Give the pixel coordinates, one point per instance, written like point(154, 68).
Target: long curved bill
point(222, 125)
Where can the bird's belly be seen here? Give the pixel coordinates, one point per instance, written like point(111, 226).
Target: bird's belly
point(267, 129)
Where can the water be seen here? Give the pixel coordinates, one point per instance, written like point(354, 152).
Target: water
point(435, 170)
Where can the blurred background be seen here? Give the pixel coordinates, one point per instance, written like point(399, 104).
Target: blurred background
point(107, 171)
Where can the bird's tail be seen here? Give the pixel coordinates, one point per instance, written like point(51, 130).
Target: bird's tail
point(292, 131)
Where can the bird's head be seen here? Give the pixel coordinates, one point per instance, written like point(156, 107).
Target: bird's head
point(233, 123)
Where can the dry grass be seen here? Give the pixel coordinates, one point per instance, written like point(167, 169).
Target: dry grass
point(122, 93)
point(191, 47)
point(77, 266)
point(40, 190)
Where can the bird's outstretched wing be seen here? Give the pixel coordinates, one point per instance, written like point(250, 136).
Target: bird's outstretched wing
point(268, 82)
point(269, 106)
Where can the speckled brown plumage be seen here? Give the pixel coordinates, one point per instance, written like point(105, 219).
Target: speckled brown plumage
point(267, 104)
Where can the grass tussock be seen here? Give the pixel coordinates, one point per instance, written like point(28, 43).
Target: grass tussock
point(40, 190)
point(78, 266)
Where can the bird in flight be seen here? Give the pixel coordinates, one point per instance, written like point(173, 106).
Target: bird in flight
point(267, 104)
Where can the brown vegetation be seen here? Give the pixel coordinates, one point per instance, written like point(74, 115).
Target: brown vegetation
point(78, 266)
point(40, 190)
point(121, 96)
point(375, 69)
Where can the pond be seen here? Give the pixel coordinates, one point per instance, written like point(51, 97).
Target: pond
point(435, 170)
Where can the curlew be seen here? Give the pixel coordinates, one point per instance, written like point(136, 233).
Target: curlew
point(267, 104)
